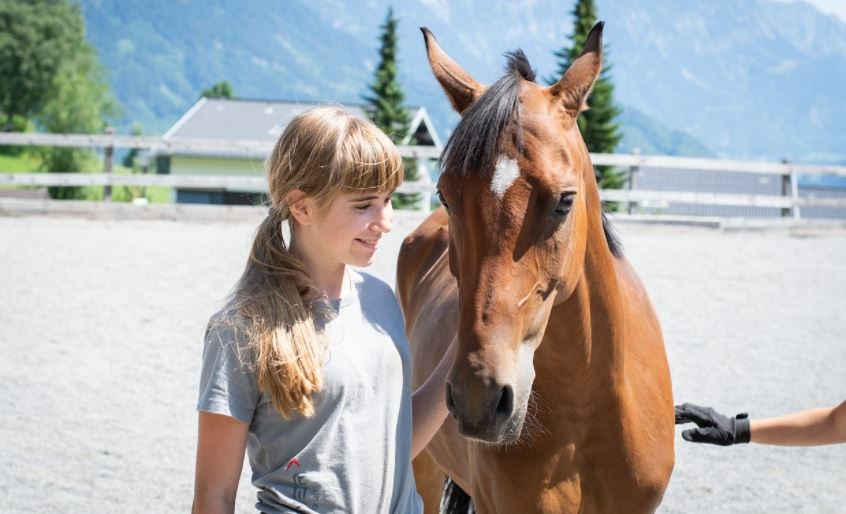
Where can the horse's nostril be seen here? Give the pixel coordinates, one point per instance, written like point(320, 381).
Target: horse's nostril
point(450, 403)
point(506, 402)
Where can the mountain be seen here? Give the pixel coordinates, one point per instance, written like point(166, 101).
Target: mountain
point(734, 78)
point(748, 78)
point(646, 135)
point(161, 54)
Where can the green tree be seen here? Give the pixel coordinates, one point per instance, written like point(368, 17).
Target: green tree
point(598, 124)
point(385, 103)
point(79, 102)
point(219, 90)
point(129, 159)
point(37, 39)
point(18, 124)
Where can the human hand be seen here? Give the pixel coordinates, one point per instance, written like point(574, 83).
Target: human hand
point(714, 428)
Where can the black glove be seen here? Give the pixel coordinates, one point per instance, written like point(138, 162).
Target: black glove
point(714, 428)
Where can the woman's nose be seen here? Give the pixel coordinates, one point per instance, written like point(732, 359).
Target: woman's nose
point(384, 221)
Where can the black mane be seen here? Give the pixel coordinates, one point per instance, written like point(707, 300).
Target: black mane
point(475, 143)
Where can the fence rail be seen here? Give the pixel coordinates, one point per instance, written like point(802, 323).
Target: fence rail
point(238, 182)
point(258, 183)
point(654, 183)
point(707, 164)
point(221, 147)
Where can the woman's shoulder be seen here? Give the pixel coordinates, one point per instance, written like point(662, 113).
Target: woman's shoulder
point(227, 326)
point(376, 296)
point(369, 285)
point(226, 316)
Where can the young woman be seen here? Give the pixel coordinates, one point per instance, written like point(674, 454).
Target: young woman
point(307, 366)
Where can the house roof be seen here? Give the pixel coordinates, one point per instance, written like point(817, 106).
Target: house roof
point(240, 120)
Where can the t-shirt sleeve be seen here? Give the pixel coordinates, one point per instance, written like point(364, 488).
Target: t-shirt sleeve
point(227, 383)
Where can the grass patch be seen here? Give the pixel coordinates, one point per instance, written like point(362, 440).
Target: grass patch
point(23, 163)
point(154, 194)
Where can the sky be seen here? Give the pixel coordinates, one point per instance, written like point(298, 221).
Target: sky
point(835, 7)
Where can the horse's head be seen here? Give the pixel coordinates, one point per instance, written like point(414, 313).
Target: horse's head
point(519, 188)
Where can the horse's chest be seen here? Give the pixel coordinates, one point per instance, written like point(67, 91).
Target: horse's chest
point(561, 485)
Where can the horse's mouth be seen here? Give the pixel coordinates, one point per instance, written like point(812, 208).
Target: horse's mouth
point(497, 435)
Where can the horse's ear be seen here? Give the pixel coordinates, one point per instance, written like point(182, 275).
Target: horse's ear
point(575, 86)
point(461, 89)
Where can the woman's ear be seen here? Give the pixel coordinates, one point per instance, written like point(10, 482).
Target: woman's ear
point(302, 207)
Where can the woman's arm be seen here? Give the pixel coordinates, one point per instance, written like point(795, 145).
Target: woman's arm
point(221, 441)
point(428, 404)
point(806, 428)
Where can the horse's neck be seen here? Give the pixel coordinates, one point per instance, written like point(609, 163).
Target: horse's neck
point(582, 351)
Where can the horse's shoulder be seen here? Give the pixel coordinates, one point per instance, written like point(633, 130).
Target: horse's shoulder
point(420, 249)
point(431, 230)
point(430, 238)
point(630, 280)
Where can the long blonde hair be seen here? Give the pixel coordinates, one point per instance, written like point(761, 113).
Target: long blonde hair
point(322, 152)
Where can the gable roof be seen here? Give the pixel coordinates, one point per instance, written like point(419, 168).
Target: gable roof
point(422, 130)
point(223, 119)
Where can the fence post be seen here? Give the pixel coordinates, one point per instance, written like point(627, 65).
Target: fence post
point(144, 163)
point(423, 176)
point(632, 171)
point(790, 189)
point(794, 194)
point(108, 157)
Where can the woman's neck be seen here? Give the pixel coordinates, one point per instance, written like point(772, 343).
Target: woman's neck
point(329, 277)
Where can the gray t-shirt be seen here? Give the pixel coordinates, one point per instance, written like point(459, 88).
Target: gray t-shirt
point(353, 455)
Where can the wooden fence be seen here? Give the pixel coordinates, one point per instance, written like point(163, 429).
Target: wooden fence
point(781, 198)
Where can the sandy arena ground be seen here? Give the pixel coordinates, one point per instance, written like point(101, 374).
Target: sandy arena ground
point(102, 325)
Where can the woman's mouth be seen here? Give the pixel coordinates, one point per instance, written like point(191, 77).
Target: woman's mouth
point(369, 243)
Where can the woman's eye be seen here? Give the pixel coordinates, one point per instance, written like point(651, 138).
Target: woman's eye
point(565, 203)
point(443, 201)
point(362, 208)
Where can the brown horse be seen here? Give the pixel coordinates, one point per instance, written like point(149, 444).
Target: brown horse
point(560, 391)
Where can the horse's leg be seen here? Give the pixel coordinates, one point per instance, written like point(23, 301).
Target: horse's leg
point(430, 481)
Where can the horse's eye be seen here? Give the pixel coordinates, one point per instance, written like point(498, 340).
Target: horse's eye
point(443, 201)
point(565, 203)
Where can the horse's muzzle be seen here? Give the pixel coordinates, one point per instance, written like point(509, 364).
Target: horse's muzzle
point(483, 412)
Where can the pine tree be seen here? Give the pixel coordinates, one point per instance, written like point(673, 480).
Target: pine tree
point(219, 90)
point(597, 125)
point(385, 103)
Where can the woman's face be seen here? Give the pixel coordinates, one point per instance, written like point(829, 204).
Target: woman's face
point(349, 232)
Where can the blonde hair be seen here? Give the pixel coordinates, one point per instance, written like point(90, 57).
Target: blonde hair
point(323, 152)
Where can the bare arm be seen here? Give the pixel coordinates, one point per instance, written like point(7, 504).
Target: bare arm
point(806, 428)
point(428, 404)
point(221, 441)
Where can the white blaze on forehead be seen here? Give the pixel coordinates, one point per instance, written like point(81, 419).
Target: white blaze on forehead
point(505, 173)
